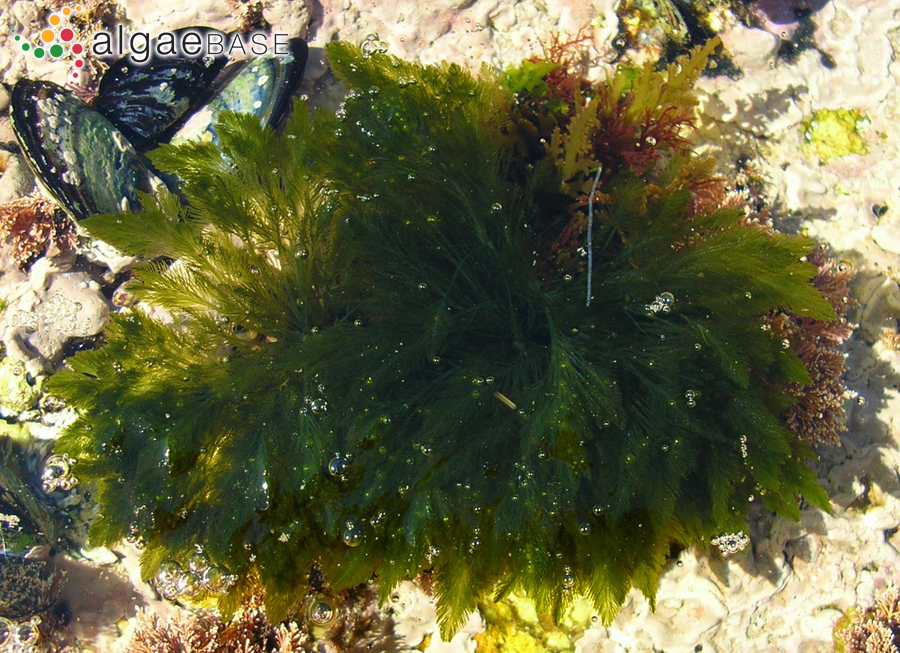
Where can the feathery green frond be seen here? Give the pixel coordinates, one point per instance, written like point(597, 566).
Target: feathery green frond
point(374, 357)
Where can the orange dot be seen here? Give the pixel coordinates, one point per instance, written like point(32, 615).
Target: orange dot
point(54, 20)
point(47, 35)
point(67, 11)
point(77, 7)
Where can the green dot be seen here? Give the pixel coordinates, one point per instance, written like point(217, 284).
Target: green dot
point(56, 50)
point(18, 37)
point(39, 53)
point(26, 47)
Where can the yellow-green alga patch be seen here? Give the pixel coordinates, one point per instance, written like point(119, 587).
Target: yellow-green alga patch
point(833, 133)
point(17, 393)
point(514, 624)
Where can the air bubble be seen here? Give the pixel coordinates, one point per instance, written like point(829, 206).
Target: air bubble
point(217, 580)
point(662, 303)
point(27, 634)
point(188, 585)
point(352, 534)
point(167, 579)
point(584, 528)
point(691, 397)
point(57, 474)
point(198, 562)
point(568, 580)
point(321, 611)
point(318, 405)
point(338, 466)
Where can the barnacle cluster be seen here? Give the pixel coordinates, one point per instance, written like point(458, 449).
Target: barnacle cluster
point(505, 329)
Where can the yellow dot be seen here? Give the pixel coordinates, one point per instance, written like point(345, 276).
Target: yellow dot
point(67, 11)
point(47, 35)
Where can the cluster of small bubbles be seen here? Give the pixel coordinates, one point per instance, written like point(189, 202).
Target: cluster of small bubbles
point(134, 536)
point(691, 396)
point(57, 474)
point(662, 303)
point(731, 543)
point(372, 45)
point(317, 405)
point(173, 582)
point(338, 465)
point(352, 534)
point(744, 451)
point(321, 612)
point(568, 580)
point(21, 637)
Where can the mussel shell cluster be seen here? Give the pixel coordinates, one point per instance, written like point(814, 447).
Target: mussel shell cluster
point(89, 158)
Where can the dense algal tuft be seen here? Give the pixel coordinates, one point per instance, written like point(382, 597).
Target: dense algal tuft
point(506, 329)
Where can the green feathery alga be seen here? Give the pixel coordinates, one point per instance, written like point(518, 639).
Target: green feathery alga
point(382, 358)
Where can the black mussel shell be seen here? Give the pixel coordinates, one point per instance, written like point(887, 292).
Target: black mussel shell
point(82, 160)
point(262, 86)
point(147, 101)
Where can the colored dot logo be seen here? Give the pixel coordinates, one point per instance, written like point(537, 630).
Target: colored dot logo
point(54, 44)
